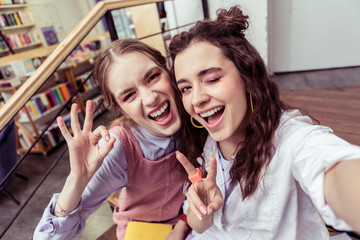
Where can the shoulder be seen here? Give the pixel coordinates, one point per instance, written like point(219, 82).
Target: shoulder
point(294, 127)
point(119, 131)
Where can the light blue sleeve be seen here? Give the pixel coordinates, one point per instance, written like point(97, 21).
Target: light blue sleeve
point(110, 177)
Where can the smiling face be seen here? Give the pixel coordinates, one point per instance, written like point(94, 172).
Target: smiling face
point(144, 93)
point(212, 92)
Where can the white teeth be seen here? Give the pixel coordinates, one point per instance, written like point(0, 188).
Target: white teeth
point(162, 110)
point(210, 112)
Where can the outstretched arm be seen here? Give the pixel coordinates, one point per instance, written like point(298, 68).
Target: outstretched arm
point(342, 192)
point(85, 157)
point(204, 197)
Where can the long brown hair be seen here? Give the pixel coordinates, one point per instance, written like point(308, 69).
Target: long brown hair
point(227, 32)
point(103, 63)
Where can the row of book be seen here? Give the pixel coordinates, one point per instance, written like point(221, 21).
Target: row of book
point(91, 83)
point(5, 2)
point(20, 40)
point(99, 105)
point(19, 18)
point(52, 137)
point(42, 102)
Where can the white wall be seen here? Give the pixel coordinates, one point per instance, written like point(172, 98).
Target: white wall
point(185, 11)
point(307, 34)
point(257, 10)
point(64, 15)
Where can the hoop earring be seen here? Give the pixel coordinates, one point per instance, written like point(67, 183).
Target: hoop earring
point(251, 104)
point(192, 122)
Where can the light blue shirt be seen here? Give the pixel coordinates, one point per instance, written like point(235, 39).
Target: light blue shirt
point(110, 177)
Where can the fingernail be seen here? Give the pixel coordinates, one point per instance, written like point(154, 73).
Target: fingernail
point(203, 210)
point(210, 211)
point(107, 138)
point(199, 217)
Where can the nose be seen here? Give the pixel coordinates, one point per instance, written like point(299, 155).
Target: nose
point(148, 97)
point(199, 96)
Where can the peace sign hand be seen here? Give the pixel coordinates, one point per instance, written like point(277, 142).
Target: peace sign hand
point(204, 197)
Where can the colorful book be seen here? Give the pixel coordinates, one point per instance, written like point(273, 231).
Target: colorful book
point(65, 91)
point(60, 94)
point(17, 20)
point(70, 87)
point(56, 96)
point(32, 109)
point(51, 98)
point(45, 100)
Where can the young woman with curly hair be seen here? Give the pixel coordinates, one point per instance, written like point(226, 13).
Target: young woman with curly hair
point(271, 173)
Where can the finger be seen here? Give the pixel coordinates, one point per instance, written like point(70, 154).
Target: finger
point(88, 122)
point(63, 129)
point(196, 200)
point(215, 204)
point(190, 169)
point(75, 125)
point(212, 171)
point(192, 206)
point(99, 132)
point(104, 150)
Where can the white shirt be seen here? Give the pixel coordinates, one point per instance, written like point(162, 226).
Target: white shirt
point(289, 203)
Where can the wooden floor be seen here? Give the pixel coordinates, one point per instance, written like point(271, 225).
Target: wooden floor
point(338, 108)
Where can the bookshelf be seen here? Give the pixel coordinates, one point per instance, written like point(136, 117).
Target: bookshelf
point(73, 71)
point(17, 28)
point(43, 106)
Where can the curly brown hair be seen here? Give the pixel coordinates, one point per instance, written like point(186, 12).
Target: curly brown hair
point(227, 33)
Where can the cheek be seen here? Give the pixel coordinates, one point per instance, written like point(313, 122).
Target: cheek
point(187, 104)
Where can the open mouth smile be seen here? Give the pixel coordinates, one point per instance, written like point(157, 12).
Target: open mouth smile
point(162, 115)
point(213, 117)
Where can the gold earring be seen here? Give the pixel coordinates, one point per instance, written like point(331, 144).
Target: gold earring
point(251, 104)
point(192, 122)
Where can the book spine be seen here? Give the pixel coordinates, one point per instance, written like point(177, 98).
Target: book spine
point(57, 89)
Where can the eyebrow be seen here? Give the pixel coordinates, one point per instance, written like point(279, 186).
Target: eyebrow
point(201, 73)
point(146, 75)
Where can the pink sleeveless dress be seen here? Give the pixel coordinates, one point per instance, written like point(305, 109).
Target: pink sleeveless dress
point(154, 192)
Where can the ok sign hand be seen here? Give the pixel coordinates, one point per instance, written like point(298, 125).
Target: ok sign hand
point(85, 154)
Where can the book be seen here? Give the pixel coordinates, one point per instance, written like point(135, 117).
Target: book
point(70, 87)
point(17, 19)
point(61, 97)
point(33, 109)
point(6, 71)
point(50, 35)
point(56, 96)
point(40, 104)
point(51, 98)
point(147, 231)
point(65, 91)
point(45, 101)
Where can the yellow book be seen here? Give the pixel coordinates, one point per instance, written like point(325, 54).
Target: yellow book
point(147, 231)
point(33, 109)
point(18, 22)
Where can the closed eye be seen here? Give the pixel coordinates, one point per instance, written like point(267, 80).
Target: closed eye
point(153, 77)
point(212, 80)
point(128, 96)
